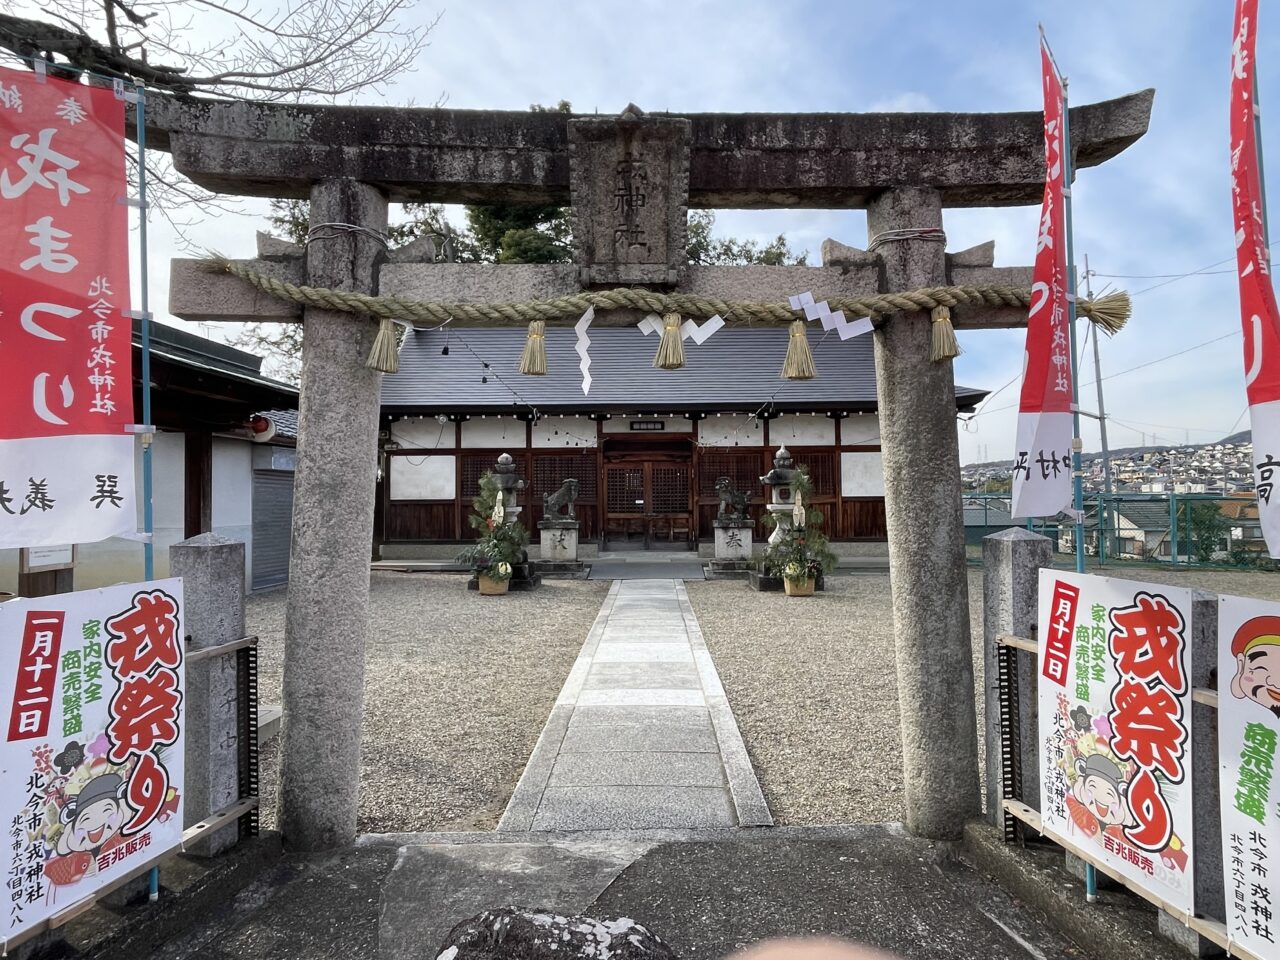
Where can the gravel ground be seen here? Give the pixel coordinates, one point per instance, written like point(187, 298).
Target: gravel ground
point(812, 685)
point(457, 689)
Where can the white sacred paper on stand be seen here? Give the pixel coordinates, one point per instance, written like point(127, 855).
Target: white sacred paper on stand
point(1248, 728)
point(1115, 727)
point(93, 753)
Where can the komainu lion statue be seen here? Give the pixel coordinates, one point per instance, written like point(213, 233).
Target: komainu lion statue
point(564, 497)
point(733, 505)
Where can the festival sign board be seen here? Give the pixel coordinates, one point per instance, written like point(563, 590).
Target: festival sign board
point(66, 385)
point(1115, 728)
point(1248, 728)
point(92, 763)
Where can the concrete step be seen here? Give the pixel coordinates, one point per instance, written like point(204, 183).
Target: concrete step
point(270, 716)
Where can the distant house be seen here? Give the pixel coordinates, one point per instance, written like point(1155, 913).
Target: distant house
point(1245, 526)
point(984, 518)
point(1136, 529)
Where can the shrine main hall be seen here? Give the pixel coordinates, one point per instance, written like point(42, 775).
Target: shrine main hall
point(646, 446)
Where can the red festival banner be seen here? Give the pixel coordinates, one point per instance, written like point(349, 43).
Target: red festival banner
point(66, 384)
point(1258, 310)
point(1042, 467)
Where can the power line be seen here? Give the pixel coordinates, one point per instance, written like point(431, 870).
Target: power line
point(1109, 376)
point(1205, 272)
point(1121, 373)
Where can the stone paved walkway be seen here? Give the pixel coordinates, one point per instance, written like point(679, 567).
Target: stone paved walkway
point(641, 736)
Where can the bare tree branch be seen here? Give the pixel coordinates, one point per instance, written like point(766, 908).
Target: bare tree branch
point(306, 48)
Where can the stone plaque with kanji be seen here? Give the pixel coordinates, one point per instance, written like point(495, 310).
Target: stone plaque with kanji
point(629, 186)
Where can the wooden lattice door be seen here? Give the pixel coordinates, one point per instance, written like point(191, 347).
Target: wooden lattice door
point(648, 501)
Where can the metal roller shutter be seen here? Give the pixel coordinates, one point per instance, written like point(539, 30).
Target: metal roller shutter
point(272, 519)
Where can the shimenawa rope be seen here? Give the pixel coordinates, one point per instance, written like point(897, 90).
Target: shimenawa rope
point(1109, 312)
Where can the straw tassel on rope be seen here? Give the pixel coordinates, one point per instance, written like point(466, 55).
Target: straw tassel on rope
point(670, 354)
point(385, 355)
point(1111, 311)
point(533, 362)
point(799, 362)
point(944, 345)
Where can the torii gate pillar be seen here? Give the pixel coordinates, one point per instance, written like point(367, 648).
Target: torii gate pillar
point(928, 578)
point(327, 616)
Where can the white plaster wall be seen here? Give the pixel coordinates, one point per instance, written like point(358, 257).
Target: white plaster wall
point(860, 429)
point(431, 477)
point(621, 423)
point(424, 433)
point(861, 475)
point(802, 430)
point(493, 432)
point(232, 494)
point(730, 430)
point(117, 560)
point(564, 432)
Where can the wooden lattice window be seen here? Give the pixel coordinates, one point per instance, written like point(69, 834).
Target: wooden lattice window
point(670, 489)
point(625, 486)
point(549, 471)
point(823, 472)
point(742, 469)
point(475, 465)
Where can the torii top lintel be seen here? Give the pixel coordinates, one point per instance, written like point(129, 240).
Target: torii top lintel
point(742, 160)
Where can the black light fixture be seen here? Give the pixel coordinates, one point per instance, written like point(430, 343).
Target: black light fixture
point(444, 351)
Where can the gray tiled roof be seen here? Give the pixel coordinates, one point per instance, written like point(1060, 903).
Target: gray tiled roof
point(733, 370)
point(286, 422)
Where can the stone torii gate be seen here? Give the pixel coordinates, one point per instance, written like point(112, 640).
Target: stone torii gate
point(630, 180)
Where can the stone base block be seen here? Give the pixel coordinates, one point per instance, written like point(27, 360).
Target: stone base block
point(561, 570)
point(733, 539)
point(727, 569)
point(766, 584)
point(558, 540)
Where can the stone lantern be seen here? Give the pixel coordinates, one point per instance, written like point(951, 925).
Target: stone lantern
point(509, 486)
point(779, 480)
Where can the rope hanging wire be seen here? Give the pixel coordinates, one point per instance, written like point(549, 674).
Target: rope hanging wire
point(932, 234)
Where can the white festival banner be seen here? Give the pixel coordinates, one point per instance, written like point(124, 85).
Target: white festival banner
point(66, 383)
point(1042, 461)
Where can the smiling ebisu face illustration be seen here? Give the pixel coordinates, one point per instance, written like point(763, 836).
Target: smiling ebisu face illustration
point(1098, 789)
point(94, 816)
point(1256, 647)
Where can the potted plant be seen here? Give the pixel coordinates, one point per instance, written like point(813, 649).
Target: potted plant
point(802, 553)
point(494, 578)
point(499, 546)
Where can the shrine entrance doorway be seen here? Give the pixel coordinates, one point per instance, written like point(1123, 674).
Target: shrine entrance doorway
point(648, 496)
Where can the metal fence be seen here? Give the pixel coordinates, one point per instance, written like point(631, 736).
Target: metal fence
point(1174, 529)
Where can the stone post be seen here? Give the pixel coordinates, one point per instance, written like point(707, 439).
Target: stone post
point(1206, 829)
point(926, 533)
point(1011, 563)
point(327, 609)
point(212, 571)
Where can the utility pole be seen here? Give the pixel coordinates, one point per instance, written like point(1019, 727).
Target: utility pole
point(1104, 511)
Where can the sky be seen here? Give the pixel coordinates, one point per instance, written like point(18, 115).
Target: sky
point(1160, 209)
